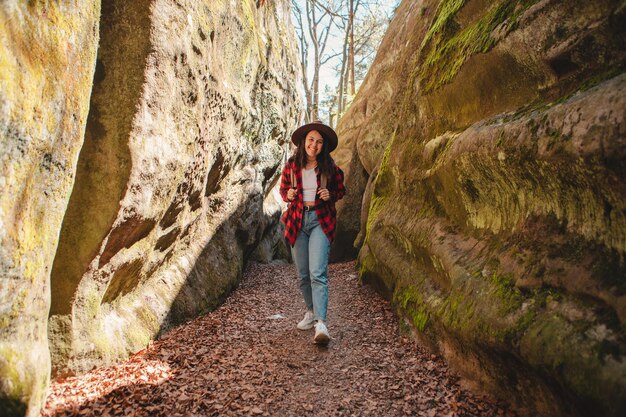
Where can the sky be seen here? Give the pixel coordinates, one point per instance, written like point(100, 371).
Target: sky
point(327, 73)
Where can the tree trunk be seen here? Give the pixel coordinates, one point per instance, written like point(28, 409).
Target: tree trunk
point(315, 84)
point(342, 79)
point(351, 49)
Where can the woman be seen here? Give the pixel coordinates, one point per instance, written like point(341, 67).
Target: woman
point(312, 183)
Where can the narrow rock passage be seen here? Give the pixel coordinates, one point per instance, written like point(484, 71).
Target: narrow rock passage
point(244, 359)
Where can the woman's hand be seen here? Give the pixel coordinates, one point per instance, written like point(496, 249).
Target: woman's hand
point(291, 194)
point(324, 194)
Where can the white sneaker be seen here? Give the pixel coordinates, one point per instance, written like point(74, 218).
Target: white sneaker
point(307, 322)
point(321, 333)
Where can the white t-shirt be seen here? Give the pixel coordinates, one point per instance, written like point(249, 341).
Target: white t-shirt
point(309, 184)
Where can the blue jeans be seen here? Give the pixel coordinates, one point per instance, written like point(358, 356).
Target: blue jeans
point(310, 254)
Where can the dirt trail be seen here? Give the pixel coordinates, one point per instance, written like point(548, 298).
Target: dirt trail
point(243, 359)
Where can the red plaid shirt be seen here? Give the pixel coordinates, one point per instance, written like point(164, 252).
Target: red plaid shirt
point(326, 212)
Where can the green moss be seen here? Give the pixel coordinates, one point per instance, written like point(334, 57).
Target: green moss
point(383, 181)
point(376, 204)
point(445, 54)
point(419, 317)
point(499, 321)
point(410, 300)
point(366, 264)
point(501, 137)
point(454, 313)
point(509, 297)
point(12, 382)
point(446, 11)
point(602, 76)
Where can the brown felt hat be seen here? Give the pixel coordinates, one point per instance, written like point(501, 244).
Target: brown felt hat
point(327, 133)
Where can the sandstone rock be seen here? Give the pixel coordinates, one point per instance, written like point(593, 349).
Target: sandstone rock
point(46, 69)
point(272, 245)
point(497, 221)
point(191, 106)
point(184, 140)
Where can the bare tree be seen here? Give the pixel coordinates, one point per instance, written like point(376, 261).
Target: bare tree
point(340, 95)
point(347, 73)
point(360, 26)
point(351, 11)
point(313, 34)
point(304, 52)
point(363, 29)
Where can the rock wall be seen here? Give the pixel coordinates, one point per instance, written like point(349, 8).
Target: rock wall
point(487, 149)
point(47, 57)
point(180, 141)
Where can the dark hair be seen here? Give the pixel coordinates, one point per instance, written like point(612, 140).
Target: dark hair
point(325, 162)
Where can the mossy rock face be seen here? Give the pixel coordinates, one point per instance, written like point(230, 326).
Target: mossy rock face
point(497, 216)
point(47, 62)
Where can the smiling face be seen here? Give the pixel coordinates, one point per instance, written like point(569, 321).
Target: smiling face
point(313, 144)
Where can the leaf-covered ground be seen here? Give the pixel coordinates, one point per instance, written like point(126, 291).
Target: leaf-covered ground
point(248, 358)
